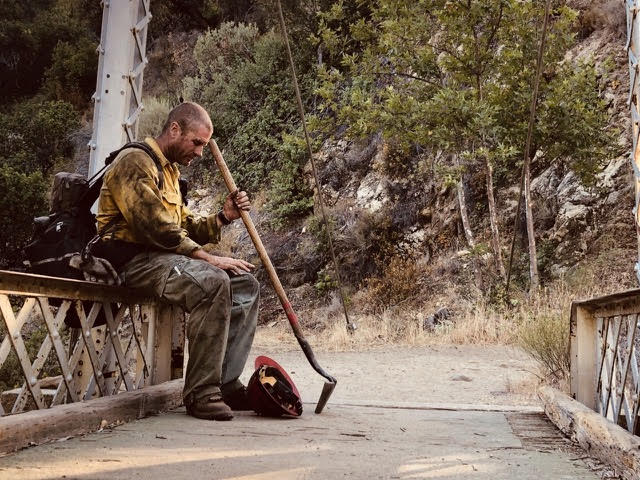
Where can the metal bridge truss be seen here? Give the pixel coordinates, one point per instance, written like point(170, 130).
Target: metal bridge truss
point(618, 387)
point(118, 96)
point(139, 344)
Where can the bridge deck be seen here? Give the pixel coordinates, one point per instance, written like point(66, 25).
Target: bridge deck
point(436, 412)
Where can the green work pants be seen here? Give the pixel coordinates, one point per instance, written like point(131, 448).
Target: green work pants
point(223, 312)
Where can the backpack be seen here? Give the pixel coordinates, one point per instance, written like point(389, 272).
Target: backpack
point(71, 226)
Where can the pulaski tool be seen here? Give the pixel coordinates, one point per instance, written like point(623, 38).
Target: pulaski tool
point(330, 384)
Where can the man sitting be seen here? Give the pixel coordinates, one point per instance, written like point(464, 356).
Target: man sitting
point(156, 245)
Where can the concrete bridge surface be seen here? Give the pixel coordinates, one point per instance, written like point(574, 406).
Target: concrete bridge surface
point(397, 413)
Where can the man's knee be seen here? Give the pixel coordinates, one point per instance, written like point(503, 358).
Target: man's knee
point(246, 289)
point(214, 281)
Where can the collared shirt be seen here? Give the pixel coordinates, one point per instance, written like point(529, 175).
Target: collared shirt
point(150, 215)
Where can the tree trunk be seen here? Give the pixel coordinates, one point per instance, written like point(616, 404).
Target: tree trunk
point(533, 258)
point(493, 219)
point(468, 233)
point(464, 215)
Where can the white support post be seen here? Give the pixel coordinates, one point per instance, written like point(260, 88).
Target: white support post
point(584, 357)
point(118, 96)
point(162, 348)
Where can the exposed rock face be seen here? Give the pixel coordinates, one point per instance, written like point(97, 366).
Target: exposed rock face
point(422, 211)
point(372, 194)
point(570, 216)
point(568, 208)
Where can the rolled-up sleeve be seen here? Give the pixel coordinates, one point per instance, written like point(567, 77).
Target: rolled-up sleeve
point(201, 229)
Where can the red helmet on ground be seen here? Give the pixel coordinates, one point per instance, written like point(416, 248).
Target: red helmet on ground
point(271, 391)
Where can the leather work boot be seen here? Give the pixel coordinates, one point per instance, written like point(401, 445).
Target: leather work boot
point(209, 408)
point(237, 400)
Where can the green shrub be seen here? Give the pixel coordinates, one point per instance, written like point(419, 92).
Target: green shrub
point(546, 339)
point(23, 197)
point(325, 282)
point(289, 195)
point(152, 118)
point(72, 73)
point(34, 135)
point(244, 82)
point(29, 34)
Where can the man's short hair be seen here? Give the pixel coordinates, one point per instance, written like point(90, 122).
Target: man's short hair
point(188, 115)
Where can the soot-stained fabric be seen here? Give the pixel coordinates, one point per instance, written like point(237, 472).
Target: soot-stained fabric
point(152, 216)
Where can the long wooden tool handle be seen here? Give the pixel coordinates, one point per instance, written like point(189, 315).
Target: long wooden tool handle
point(273, 276)
point(253, 233)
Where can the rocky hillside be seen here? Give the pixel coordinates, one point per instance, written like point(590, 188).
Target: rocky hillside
point(578, 227)
point(397, 231)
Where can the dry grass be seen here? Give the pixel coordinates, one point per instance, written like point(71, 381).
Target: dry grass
point(400, 281)
point(537, 323)
point(477, 323)
point(372, 330)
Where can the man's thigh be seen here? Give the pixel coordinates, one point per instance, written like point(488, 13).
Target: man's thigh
point(176, 278)
point(150, 270)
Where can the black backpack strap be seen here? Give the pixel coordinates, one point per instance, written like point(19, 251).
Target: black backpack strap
point(184, 189)
point(95, 182)
point(144, 147)
point(86, 251)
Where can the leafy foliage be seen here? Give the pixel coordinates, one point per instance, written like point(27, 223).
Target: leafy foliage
point(23, 197)
point(289, 195)
point(34, 135)
point(457, 77)
point(72, 73)
point(31, 31)
point(244, 82)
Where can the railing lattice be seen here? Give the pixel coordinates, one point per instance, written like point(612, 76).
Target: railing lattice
point(87, 362)
point(618, 382)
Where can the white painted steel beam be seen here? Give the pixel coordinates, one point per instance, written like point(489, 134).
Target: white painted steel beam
point(122, 59)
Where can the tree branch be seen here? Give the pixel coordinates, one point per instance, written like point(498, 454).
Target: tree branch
point(407, 75)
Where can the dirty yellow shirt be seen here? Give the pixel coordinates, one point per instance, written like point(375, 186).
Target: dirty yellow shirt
point(151, 216)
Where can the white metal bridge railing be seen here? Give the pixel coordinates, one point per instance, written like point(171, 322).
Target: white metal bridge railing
point(605, 356)
point(139, 343)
